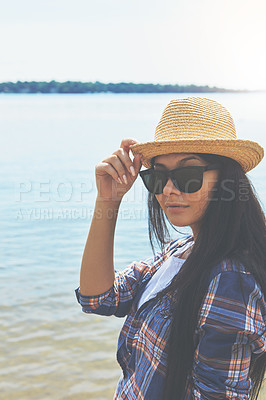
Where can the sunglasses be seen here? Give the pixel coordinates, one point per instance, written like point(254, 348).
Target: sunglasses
point(185, 179)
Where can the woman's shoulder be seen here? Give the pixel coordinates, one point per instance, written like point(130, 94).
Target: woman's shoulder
point(232, 276)
point(229, 265)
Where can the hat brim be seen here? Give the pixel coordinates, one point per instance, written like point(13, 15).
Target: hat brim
point(246, 152)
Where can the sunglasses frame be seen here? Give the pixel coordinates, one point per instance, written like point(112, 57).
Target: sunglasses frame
point(170, 174)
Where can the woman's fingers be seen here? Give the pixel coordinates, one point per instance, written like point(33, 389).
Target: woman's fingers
point(137, 163)
point(119, 165)
point(126, 161)
point(132, 167)
point(104, 167)
point(126, 143)
point(121, 161)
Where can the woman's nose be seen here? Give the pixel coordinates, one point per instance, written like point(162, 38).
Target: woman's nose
point(170, 188)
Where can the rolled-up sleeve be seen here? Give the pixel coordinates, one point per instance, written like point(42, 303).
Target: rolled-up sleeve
point(118, 299)
point(231, 331)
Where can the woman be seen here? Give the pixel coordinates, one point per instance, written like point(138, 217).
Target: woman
point(196, 313)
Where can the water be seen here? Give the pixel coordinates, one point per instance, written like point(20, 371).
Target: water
point(49, 147)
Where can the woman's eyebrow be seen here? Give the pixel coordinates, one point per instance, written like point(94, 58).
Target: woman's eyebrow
point(180, 162)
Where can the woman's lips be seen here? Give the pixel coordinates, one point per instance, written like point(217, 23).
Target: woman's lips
point(175, 205)
point(176, 208)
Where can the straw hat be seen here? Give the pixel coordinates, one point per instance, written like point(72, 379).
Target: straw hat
point(199, 125)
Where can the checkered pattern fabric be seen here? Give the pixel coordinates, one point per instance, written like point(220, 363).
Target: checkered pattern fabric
point(230, 332)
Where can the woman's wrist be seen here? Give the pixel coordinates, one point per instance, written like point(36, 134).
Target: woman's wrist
point(108, 203)
point(107, 209)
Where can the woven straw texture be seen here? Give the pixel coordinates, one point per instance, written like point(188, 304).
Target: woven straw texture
point(199, 125)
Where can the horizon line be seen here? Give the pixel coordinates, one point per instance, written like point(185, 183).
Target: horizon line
point(162, 85)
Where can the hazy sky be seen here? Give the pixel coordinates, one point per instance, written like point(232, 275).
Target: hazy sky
point(206, 42)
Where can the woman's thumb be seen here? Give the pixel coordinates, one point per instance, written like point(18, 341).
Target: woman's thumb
point(137, 163)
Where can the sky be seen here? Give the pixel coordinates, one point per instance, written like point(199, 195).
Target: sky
point(204, 42)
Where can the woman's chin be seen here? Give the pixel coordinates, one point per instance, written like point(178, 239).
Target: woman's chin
point(178, 221)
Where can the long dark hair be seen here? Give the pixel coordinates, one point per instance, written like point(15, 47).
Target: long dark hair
point(233, 226)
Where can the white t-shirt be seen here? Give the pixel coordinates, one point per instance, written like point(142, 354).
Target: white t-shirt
point(164, 275)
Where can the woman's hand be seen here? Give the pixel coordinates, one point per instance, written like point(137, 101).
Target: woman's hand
point(116, 174)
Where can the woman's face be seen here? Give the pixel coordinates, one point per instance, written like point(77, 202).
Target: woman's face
point(185, 209)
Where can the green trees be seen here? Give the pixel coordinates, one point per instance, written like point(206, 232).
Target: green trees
point(99, 87)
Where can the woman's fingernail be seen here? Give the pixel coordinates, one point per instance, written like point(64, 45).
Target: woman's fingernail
point(132, 170)
point(119, 180)
point(125, 179)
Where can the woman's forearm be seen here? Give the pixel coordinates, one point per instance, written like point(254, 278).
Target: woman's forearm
point(97, 267)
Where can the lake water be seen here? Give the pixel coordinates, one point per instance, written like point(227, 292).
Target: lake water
point(49, 146)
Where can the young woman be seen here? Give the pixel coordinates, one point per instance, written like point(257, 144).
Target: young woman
point(196, 312)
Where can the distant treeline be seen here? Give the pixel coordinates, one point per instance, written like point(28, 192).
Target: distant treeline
point(98, 87)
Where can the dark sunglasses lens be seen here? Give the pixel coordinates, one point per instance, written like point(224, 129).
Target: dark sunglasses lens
point(188, 180)
point(154, 181)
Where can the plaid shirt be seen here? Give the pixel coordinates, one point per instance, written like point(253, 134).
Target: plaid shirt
point(230, 331)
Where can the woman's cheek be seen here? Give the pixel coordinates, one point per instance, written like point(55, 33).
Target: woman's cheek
point(160, 200)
